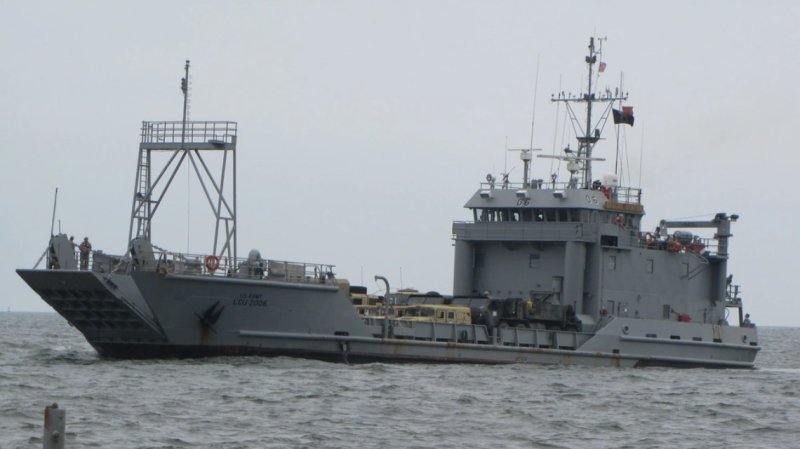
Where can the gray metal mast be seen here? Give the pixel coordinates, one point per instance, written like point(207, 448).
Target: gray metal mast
point(188, 141)
point(185, 90)
point(588, 136)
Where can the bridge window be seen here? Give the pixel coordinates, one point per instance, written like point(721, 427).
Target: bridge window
point(527, 215)
point(608, 240)
point(487, 214)
point(553, 215)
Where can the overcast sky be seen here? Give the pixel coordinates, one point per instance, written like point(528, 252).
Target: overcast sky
point(365, 126)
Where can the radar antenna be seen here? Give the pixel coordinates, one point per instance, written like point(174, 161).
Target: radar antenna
point(574, 162)
point(525, 156)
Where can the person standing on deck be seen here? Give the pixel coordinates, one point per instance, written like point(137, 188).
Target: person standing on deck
point(85, 248)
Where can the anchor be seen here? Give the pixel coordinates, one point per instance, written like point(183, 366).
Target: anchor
point(210, 316)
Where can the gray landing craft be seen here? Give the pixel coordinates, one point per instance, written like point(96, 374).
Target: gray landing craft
point(546, 272)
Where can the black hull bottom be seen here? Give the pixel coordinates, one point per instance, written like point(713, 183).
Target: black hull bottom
point(684, 365)
point(147, 351)
point(141, 352)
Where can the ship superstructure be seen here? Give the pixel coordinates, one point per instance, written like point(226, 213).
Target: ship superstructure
point(578, 245)
point(545, 272)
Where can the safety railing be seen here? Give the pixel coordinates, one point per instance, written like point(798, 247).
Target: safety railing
point(534, 184)
point(698, 245)
point(193, 132)
point(246, 268)
point(625, 195)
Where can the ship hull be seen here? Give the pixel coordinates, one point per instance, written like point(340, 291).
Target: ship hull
point(151, 315)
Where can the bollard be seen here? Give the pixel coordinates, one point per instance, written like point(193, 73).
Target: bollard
point(54, 424)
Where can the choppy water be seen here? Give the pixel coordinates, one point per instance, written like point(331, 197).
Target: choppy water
point(287, 403)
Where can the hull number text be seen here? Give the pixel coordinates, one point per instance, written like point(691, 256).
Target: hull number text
point(250, 299)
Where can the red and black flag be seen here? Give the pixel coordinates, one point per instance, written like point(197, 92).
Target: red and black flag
point(624, 116)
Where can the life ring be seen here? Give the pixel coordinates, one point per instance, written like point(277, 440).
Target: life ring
point(649, 239)
point(212, 263)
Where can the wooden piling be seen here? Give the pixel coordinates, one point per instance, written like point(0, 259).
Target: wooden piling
point(54, 424)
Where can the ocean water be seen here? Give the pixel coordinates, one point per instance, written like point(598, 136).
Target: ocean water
point(234, 402)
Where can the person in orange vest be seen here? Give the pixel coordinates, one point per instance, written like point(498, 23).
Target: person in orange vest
point(85, 248)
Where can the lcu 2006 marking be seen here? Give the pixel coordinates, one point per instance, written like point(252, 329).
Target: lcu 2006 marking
point(250, 300)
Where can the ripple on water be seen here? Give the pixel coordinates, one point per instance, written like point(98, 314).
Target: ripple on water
point(252, 402)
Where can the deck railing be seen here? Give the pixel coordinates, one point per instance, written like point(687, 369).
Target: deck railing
point(194, 132)
point(625, 195)
point(247, 268)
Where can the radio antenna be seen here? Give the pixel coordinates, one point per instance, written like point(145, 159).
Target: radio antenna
point(185, 90)
point(53, 220)
point(535, 91)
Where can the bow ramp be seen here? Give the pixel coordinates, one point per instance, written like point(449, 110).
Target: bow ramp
point(104, 307)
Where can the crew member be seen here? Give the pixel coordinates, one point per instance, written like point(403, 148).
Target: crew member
point(85, 248)
point(747, 322)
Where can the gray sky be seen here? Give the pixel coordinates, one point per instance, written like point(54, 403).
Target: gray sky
point(365, 126)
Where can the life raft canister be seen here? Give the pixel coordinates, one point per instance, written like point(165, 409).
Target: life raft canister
point(212, 263)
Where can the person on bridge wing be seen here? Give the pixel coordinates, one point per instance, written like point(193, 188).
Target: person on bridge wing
point(85, 248)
